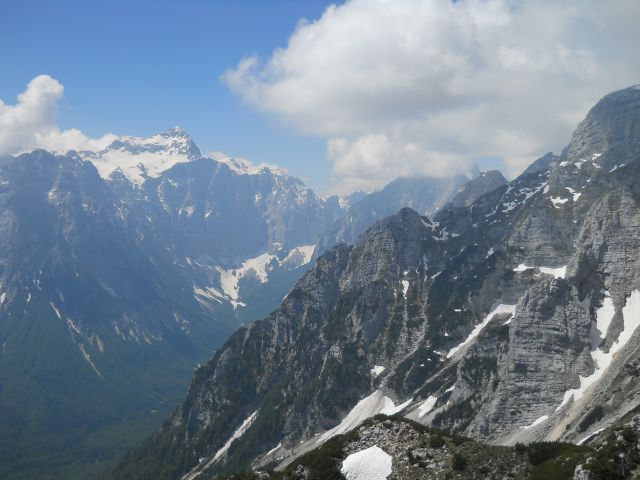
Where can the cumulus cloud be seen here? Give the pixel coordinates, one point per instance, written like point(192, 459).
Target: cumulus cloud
point(427, 86)
point(31, 122)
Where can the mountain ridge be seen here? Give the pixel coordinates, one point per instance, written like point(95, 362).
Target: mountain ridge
point(455, 310)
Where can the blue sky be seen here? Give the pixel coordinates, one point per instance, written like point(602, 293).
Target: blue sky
point(139, 67)
point(363, 92)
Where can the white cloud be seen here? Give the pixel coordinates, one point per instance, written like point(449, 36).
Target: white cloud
point(427, 86)
point(31, 122)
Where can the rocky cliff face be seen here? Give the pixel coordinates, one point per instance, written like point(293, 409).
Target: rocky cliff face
point(509, 318)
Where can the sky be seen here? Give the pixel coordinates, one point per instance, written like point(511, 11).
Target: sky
point(346, 95)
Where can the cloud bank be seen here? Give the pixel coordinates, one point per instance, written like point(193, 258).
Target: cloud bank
point(403, 87)
point(31, 122)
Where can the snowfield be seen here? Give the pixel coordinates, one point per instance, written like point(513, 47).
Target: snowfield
point(557, 272)
point(372, 463)
point(368, 407)
point(260, 267)
point(237, 434)
point(427, 406)
point(536, 422)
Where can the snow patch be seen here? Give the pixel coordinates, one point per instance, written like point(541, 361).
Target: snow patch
point(405, 288)
point(445, 235)
point(522, 267)
point(393, 410)
point(604, 315)
point(372, 463)
point(237, 434)
point(530, 193)
point(260, 266)
point(73, 327)
point(536, 422)
point(558, 201)
point(377, 370)
point(557, 272)
point(299, 256)
point(602, 360)
point(273, 450)
point(88, 359)
point(508, 206)
point(368, 407)
point(58, 314)
point(427, 406)
point(207, 294)
point(576, 195)
point(590, 436)
point(499, 309)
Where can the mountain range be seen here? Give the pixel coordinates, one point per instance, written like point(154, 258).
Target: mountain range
point(122, 270)
point(508, 317)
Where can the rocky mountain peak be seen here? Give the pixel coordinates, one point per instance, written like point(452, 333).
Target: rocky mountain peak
point(604, 144)
point(481, 183)
point(541, 164)
point(174, 140)
point(176, 131)
point(612, 125)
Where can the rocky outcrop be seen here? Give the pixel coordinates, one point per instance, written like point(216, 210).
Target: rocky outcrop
point(478, 186)
point(416, 453)
point(423, 194)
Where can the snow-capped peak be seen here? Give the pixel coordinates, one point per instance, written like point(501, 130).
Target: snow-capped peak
point(141, 157)
point(175, 140)
point(138, 158)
